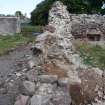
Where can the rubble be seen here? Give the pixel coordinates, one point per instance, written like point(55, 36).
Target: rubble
point(31, 64)
point(32, 75)
point(7, 99)
point(28, 88)
point(40, 100)
point(48, 78)
point(22, 100)
point(64, 82)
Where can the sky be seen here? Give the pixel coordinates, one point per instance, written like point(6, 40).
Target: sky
point(11, 6)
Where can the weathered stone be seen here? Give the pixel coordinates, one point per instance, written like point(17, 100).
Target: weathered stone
point(64, 82)
point(45, 89)
point(76, 60)
point(32, 75)
point(18, 74)
point(12, 87)
point(40, 99)
point(91, 84)
point(7, 99)
point(99, 103)
point(1, 82)
point(57, 97)
point(48, 78)
point(3, 90)
point(49, 28)
point(61, 97)
point(52, 69)
point(31, 64)
point(27, 88)
point(22, 100)
point(76, 94)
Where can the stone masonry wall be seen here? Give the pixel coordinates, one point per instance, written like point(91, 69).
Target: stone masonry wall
point(81, 23)
point(9, 25)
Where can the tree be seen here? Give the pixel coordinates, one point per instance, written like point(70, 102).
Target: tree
point(39, 16)
point(18, 13)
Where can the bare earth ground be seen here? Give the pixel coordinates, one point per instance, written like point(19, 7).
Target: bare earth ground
point(7, 62)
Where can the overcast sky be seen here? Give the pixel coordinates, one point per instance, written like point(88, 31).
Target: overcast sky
point(11, 6)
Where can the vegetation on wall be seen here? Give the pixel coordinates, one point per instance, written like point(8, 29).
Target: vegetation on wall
point(39, 15)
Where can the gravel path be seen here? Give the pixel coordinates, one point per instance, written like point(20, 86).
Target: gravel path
point(7, 66)
point(7, 62)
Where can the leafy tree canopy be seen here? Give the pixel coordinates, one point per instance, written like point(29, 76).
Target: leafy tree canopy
point(18, 13)
point(39, 15)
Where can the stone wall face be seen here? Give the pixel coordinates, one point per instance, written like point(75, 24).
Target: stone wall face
point(9, 25)
point(83, 23)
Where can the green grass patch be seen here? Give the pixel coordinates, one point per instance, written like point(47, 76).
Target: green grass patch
point(8, 42)
point(28, 29)
point(92, 55)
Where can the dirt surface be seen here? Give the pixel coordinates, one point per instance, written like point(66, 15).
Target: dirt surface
point(7, 66)
point(7, 62)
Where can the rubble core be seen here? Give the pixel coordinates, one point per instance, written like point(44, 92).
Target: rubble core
point(54, 74)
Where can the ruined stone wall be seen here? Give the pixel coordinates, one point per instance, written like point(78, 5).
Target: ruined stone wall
point(9, 25)
point(81, 23)
point(55, 75)
point(84, 18)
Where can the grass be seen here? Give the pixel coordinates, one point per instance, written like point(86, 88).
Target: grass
point(12, 41)
point(8, 42)
point(92, 55)
point(28, 29)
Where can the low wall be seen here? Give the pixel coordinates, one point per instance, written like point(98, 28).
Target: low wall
point(86, 18)
point(9, 25)
point(83, 23)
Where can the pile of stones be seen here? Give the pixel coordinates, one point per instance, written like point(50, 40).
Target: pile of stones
point(81, 23)
point(30, 85)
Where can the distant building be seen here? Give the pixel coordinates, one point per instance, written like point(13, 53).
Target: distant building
point(9, 25)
